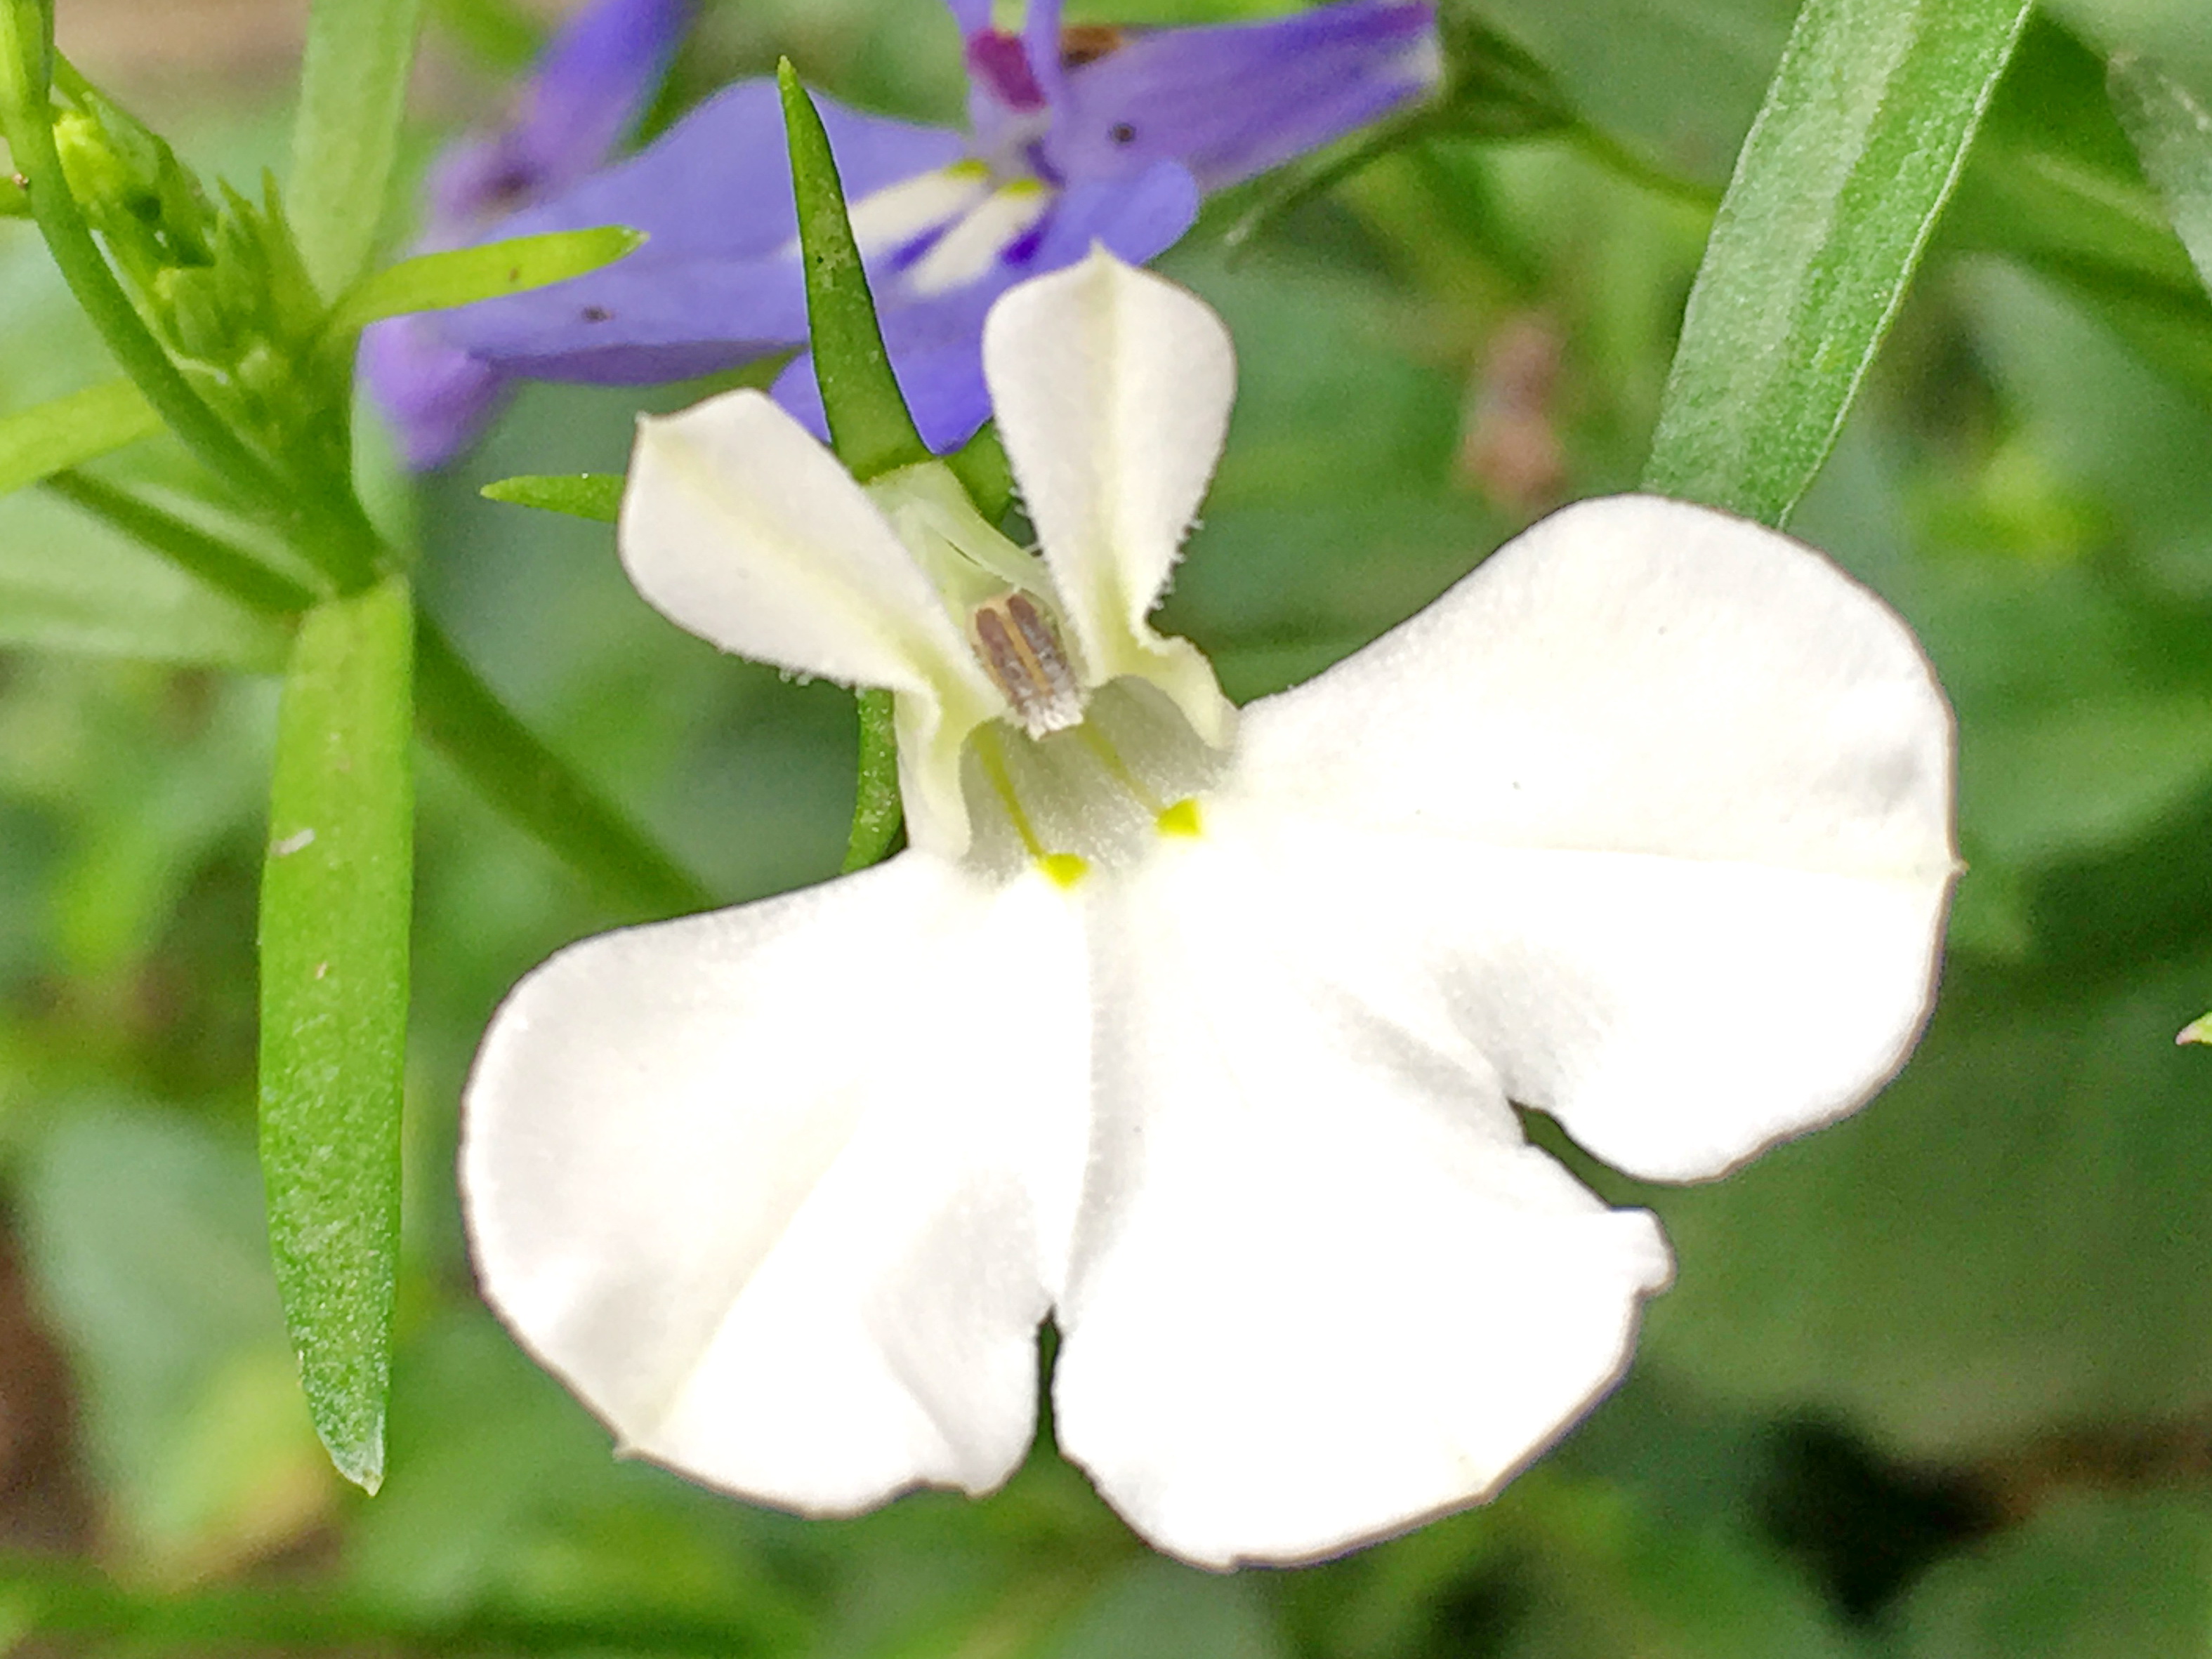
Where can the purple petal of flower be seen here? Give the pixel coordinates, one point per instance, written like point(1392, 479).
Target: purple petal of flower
point(434, 397)
point(1231, 101)
point(972, 15)
point(588, 89)
point(936, 345)
point(596, 79)
point(718, 282)
point(1040, 39)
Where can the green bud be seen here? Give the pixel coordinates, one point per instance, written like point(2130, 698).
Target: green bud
point(99, 177)
point(189, 299)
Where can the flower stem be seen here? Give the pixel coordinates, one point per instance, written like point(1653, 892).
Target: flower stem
point(459, 713)
point(876, 793)
point(220, 564)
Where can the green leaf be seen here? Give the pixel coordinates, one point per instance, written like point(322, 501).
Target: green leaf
point(435, 281)
point(37, 443)
point(1837, 190)
point(353, 89)
point(2055, 183)
point(869, 425)
point(581, 495)
point(69, 585)
point(2172, 132)
point(2197, 1030)
point(335, 896)
point(2088, 1578)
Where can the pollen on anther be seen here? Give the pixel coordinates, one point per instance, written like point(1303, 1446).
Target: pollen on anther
point(1065, 869)
point(1018, 648)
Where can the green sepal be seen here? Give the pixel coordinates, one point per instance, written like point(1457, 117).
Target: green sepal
point(581, 495)
point(869, 425)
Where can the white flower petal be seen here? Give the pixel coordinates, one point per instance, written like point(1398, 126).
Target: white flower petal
point(1113, 389)
point(785, 1236)
point(739, 526)
point(1667, 797)
point(1322, 1289)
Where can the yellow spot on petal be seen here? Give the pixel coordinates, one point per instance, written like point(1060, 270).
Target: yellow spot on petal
point(1064, 868)
point(1180, 819)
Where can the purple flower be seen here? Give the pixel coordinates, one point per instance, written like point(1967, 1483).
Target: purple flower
point(581, 100)
point(1079, 137)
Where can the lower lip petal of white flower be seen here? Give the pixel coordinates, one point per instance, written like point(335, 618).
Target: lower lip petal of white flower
point(1666, 797)
point(1322, 1289)
point(782, 1192)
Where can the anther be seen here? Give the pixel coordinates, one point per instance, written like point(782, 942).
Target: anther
point(1024, 656)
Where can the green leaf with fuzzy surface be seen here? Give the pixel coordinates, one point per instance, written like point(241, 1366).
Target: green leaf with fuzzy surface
point(1835, 194)
point(336, 892)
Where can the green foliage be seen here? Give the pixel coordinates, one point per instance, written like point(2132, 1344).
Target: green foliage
point(335, 897)
point(595, 495)
point(2098, 1578)
point(2055, 184)
point(433, 281)
point(2173, 130)
point(346, 136)
point(869, 425)
point(1834, 196)
point(36, 443)
point(1987, 1285)
point(146, 1230)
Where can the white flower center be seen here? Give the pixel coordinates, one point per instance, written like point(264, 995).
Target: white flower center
point(1099, 794)
point(1074, 775)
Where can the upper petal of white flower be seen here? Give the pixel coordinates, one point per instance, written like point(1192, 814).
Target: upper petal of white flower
point(1322, 1289)
point(1667, 798)
point(739, 526)
point(783, 1191)
point(1113, 389)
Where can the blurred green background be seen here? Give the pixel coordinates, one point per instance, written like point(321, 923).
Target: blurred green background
point(1938, 1382)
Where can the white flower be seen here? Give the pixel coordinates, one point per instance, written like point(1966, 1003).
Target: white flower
point(1201, 1039)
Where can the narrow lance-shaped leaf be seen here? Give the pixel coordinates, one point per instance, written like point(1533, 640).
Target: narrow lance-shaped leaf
point(336, 892)
point(1836, 191)
point(579, 495)
point(353, 87)
point(55, 436)
point(2172, 132)
point(435, 281)
point(869, 426)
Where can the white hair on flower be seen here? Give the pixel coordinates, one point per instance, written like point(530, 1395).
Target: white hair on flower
point(1193, 1031)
